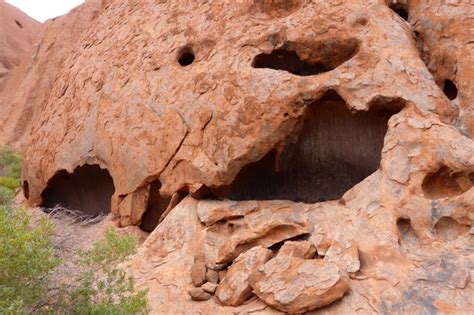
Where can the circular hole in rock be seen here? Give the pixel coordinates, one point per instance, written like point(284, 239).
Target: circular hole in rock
point(449, 229)
point(450, 89)
point(186, 56)
point(446, 183)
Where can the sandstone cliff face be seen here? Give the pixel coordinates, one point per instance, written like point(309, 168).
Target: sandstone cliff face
point(32, 86)
point(18, 33)
point(231, 125)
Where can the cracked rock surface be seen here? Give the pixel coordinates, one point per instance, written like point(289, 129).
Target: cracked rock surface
point(342, 126)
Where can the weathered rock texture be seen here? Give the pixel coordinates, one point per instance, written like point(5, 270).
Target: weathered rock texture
point(358, 121)
point(296, 285)
point(235, 289)
point(18, 33)
point(34, 79)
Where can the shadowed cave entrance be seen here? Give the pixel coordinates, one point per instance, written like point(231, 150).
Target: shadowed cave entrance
point(305, 60)
point(88, 189)
point(158, 206)
point(335, 150)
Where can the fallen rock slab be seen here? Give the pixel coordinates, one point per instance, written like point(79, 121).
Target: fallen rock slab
point(295, 285)
point(303, 249)
point(234, 289)
point(265, 226)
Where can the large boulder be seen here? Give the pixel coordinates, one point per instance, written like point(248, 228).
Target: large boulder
point(295, 285)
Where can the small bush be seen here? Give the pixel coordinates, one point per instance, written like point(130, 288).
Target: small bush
point(26, 257)
point(10, 163)
point(102, 287)
point(111, 250)
point(9, 182)
point(10, 170)
point(6, 197)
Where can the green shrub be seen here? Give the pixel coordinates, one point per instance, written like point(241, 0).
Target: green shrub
point(6, 197)
point(26, 257)
point(9, 182)
point(102, 287)
point(113, 249)
point(10, 163)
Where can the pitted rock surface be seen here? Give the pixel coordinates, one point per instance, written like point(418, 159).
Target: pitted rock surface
point(18, 33)
point(337, 121)
point(205, 127)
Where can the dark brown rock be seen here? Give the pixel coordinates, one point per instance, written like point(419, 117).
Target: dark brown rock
point(212, 276)
point(198, 294)
point(209, 287)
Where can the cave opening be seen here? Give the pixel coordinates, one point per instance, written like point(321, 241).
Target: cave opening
point(334, 150)
point(88, 190)
point(450, 89)
point(318, 58)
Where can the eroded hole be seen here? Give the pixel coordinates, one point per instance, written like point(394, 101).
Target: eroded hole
point(318, 58)
point(157, 204)
point(449, 229)
point(335, 150)
point(18, 24)
point(88, 189)
point(25, 186)
point(398, 9)
point(450, 89)
point(276, 8)
point(446, 183)
point(158, 207)
point(186, 56)
point(405, 231)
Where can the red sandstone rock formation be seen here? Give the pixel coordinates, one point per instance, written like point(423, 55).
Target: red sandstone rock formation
point(18, 33)
point(34, 79)
point(342, 125)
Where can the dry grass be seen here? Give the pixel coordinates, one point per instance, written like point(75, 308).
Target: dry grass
point(73, 216)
